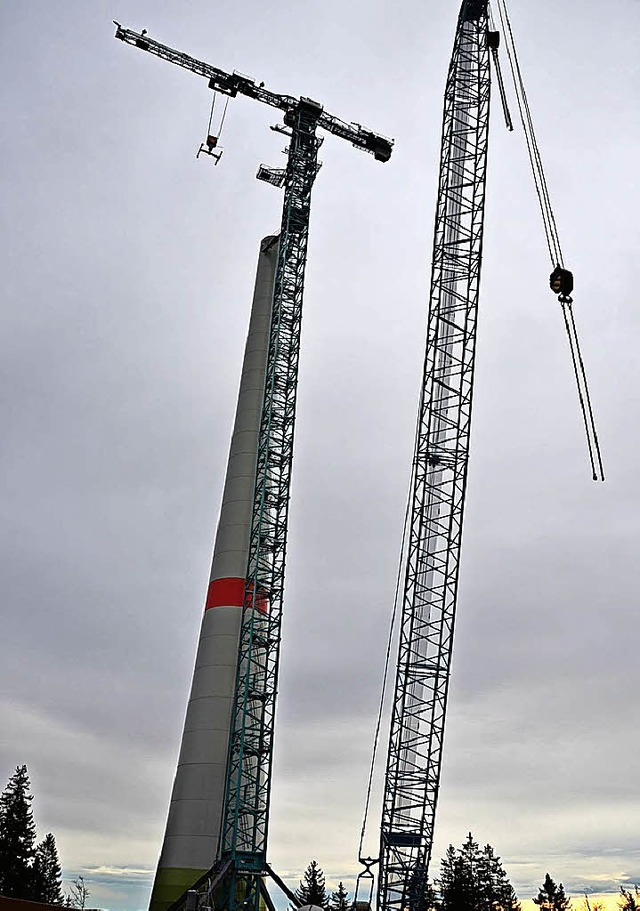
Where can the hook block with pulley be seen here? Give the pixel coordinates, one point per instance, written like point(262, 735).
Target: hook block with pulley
point(561, 282)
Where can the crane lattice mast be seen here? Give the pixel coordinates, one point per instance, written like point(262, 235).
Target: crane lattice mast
point(237, 873)
point(439, 475)
point(441, 454)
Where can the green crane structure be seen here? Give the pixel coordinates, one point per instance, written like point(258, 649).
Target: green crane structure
point(236, 875)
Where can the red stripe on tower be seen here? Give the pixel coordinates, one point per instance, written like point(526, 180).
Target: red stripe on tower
point(225, 593)
point(230, 593)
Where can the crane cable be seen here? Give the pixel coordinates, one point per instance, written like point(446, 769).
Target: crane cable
point(224, 114)
point(385, 675)
point(213, 105)
point(542, 189)
point(553, 243)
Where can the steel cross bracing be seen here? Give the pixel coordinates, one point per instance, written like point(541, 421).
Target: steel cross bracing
point(236, 877)
point(439, 476)
point(246, 816)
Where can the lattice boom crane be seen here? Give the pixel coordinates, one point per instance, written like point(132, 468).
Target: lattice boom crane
point(439, 475)
point(439, 478)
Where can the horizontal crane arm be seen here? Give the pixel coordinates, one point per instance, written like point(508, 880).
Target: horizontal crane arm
point(236, 84)
point(228, 83)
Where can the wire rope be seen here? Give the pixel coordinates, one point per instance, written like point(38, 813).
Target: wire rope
point(535, 159)
point(553, 242)
point(213, 104)
point(224, 114)
point(593, 444)
point(385, 675)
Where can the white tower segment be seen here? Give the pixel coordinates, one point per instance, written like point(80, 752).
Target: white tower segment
point(195, 813)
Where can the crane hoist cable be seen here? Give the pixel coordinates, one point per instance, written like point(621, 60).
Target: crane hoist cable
point(214, 96)
point(385, 674)
point(493, 38)
point(211, 142)
point(561, 279)
point(224, 114)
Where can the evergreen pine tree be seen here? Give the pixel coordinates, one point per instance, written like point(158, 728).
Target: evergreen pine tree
point(495, 892)
point(472, 879)
point(458, 877)
point(47, 876)
point(340, 899)
point(312, 889)
point(552, 897)
point(17, 836)
point(421, 895)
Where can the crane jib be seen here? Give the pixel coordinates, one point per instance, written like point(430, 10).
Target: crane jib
point(233, 84)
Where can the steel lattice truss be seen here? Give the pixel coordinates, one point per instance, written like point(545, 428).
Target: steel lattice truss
point(440, 472)
point(233, 84)
point(251, 744)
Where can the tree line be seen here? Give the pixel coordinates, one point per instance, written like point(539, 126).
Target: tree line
point(30, 870)
point(471, 879)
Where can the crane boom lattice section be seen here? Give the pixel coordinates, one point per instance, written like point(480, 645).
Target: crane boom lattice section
point(440, 472)
point(251, 744)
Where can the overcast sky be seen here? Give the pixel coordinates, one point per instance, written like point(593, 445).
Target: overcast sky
point(127, 271)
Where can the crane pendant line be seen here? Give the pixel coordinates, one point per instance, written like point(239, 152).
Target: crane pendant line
point(440, 475)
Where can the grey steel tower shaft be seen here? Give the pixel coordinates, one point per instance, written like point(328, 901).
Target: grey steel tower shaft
point(439, 477)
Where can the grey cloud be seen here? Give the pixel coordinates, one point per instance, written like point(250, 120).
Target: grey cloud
point(127, 269)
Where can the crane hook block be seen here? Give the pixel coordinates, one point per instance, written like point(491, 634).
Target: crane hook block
point(561, 281)
point(493, 40)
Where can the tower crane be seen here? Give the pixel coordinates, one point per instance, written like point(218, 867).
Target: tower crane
point(439, 474)
point(236, 873)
